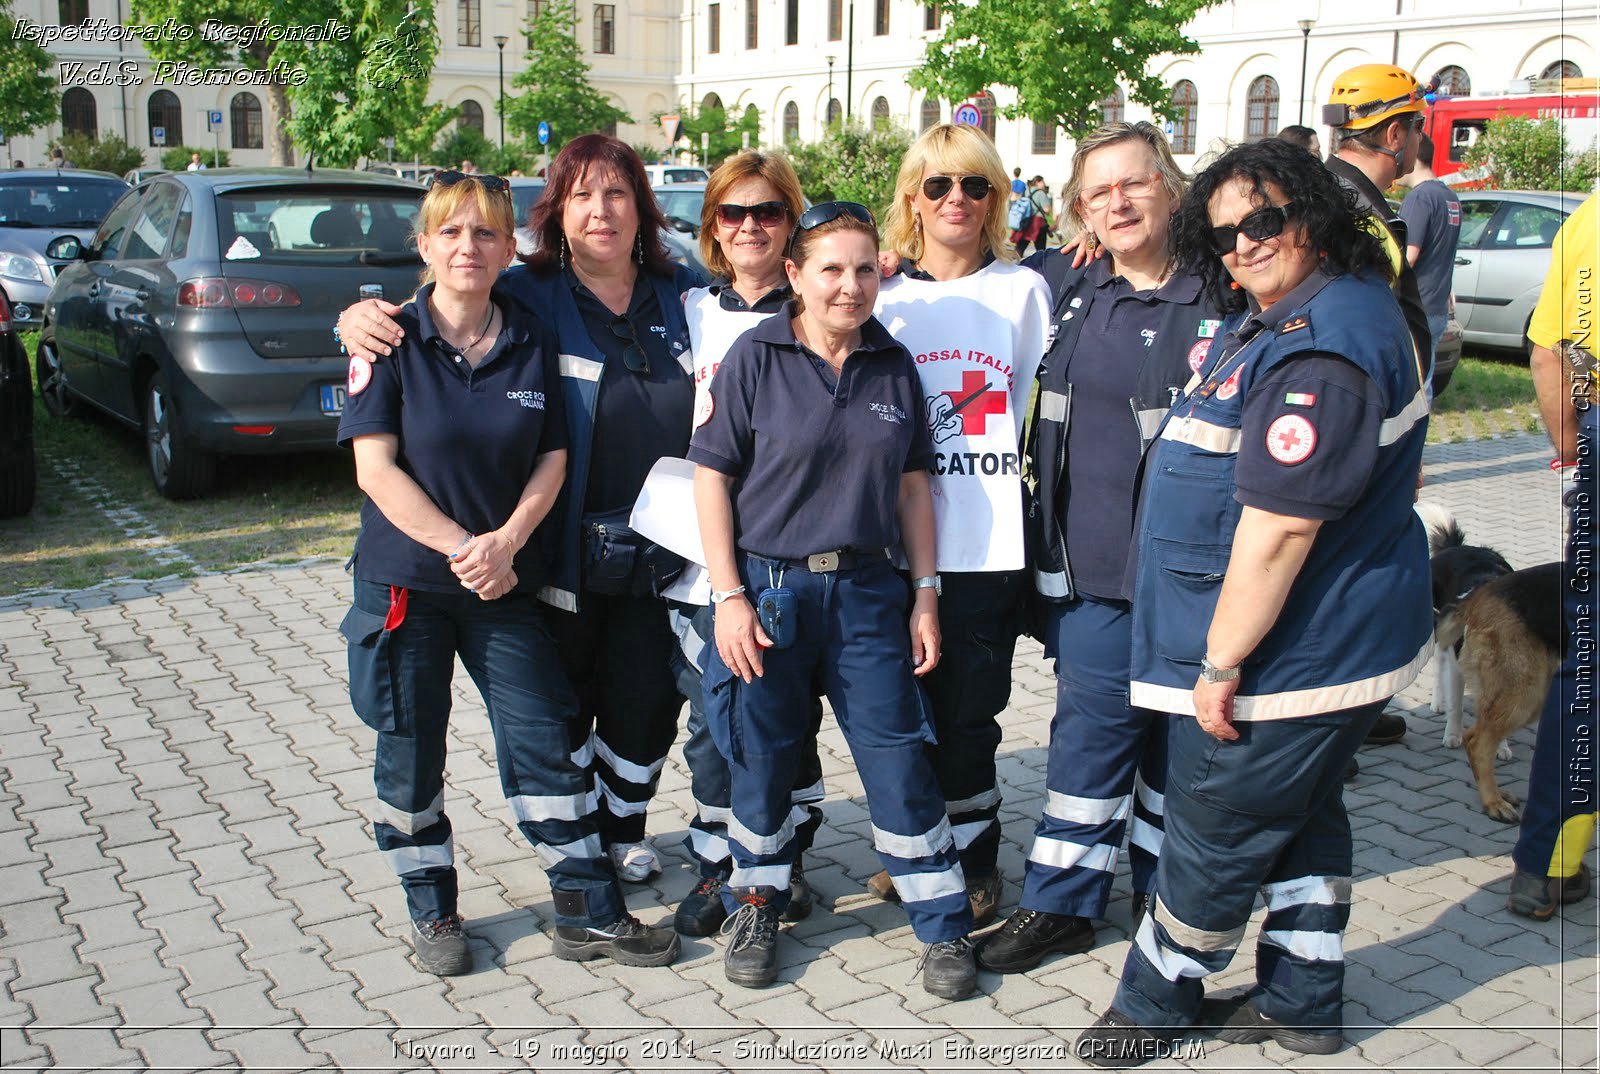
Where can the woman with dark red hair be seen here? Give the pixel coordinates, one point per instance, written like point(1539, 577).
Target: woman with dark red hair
point(603, 278)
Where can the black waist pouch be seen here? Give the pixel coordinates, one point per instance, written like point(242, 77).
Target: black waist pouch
point(620, 561)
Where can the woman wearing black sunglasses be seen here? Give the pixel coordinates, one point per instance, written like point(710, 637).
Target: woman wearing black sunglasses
point(603, 278)
point(1281, 599)
point(975, 322)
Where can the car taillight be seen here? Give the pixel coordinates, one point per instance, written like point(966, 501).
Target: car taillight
point(5, 314)
point(215, 292)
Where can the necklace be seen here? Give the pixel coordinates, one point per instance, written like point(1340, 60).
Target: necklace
point(473, 342)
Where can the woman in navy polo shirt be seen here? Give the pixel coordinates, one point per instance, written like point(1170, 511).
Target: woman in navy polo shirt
point(603, 277)
point(460, 445)
point(812, 454)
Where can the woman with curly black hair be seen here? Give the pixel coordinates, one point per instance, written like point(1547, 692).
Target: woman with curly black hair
point(1276, 512)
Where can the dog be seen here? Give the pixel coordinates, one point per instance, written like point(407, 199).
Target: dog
point(1457, 570)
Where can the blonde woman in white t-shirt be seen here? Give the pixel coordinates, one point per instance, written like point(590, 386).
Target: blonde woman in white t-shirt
point(975, 322)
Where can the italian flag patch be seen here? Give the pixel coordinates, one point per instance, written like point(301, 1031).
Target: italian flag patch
point(1300, 399)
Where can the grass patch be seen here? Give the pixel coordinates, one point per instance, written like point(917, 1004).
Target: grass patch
point(1489, 395)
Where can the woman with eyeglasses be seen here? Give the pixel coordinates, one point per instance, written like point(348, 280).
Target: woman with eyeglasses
point(812, 452)
point(752, 201)
point(1127, 331)
point(602, 276)
point(460, 442)
point(975, 323)
point(1281, 598)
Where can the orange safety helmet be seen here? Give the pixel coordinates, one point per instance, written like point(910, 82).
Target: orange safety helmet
point(1365, 96)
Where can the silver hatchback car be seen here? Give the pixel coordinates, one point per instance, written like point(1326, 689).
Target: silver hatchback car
point(1501, 260)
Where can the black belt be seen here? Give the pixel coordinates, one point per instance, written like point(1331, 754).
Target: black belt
point(842, 559)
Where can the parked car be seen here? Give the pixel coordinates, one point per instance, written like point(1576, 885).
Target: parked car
point(680, 204)
point(135, 176)
point(182, 316)
point(661, 174)
point(1501, 260)
point(1447, 355)
point(18, 475)
point(37, 206)
point(526, 190)
point(416, 173)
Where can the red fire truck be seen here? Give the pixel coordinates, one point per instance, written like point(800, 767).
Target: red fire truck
point(1454, 123)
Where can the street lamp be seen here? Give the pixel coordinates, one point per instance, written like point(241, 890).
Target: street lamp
point(827, 109)
point(500, 43)
point(1305, 46)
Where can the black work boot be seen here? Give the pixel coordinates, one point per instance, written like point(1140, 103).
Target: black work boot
point(984, 894)
point(948, 970)
point(751, 959)
point(1028, 936)
point(801, 897)
point(441, 946)
point(701, 912)
point(1118, 1041)
point(1239, 1022)
point(627, 941)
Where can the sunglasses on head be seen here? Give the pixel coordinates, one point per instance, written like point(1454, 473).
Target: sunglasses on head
point(937, 187)
point(828, 212)
point(633, 356)
point(494, 184)
point(767, 213)
point(1259, 226)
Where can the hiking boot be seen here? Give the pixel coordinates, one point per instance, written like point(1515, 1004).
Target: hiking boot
point(801, 897)
point(1538, 896)
point(628, 942)
point(635, 862)
point(1028, 936)
point(1116, 1040)
point(881, 886)
point(1238, 1022)
point(1388, 729)
point(701, 912)
point(751, 959)
point(948, 970)
point(984, 894)
point(441, 946)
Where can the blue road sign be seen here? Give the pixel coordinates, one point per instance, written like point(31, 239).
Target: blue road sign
point(544, 133)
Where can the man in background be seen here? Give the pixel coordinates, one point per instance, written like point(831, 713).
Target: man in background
point(1432, 213)
point(1304, 137)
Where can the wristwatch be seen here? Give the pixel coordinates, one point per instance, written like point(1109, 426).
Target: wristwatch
point(720, 595)
point(1211, 673)
point(929, 581)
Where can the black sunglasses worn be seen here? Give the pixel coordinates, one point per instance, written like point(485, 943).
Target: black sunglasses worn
point(494, 184)
point(827, 212)
point(634, 356)
point(767, 213)
point(1263, 224)
point(936, 187)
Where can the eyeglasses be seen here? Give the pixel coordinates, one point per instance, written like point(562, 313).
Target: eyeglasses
point(1263, 224)
point(494, 184)
point(1135, 186)
point(633, 356)
point(828, 212)
point(767, 213)
point(937, 187)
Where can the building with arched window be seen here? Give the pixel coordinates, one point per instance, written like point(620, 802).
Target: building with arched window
point(1186, 103)
point(928, 116)
point(791, 123)
point(78, 113)
point(165, 114)
point(470, 116)
point(244, 117)
point(1261, 109)
point(1114, 107)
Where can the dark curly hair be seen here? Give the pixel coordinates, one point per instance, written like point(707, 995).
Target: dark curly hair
point(577, 157)
point(1335, 226)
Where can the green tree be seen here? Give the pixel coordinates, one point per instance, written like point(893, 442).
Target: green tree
point(556, 83)
point(28, 84)
point(107, 154)
point(1519, 153)
point(337, 98)
point(1063, 57)
point(465, 143)
point(852, 163)
point(725, 135)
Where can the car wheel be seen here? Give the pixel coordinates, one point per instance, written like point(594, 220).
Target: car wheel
point(52, 379)
point(180, 469)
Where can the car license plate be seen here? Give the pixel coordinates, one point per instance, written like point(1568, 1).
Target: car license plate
point(333, 399)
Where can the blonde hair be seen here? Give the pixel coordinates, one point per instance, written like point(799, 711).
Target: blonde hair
point(1173, 179)
point(750, 164)
point(441, 202)
point(953, 150)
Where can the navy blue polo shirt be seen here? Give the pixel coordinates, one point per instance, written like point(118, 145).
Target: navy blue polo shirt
point(817, 466)
point(638, 417)
point(731, 301)
point(1103, 447)
point(470, 438)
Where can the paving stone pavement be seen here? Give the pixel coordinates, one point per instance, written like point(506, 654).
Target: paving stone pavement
point(187, 879)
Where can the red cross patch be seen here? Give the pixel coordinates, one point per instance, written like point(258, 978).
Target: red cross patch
point(703, 408)
point(360, 376)
point(975, 402)
point(1230, 387)
point(1197, 354)
point(1291, 439)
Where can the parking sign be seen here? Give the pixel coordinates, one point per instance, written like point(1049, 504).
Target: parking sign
point(158, 135)
point(214, 117)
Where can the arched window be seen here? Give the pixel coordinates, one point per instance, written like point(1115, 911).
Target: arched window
point(1186, 102)
point(930, 113)
point(245, 116)
point(791, 122)
point(78, 114)
point(985, 101)
point(710, 101)
point(1112, 108)
point(835, 112)
point(1261, 109)
point(165, 112)
point(1562, 69)
point(1044, 138)
point(471, 116)
point(1453, 81)
point(880, 112)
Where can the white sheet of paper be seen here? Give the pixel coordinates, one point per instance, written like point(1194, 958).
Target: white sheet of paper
point(664, 511)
